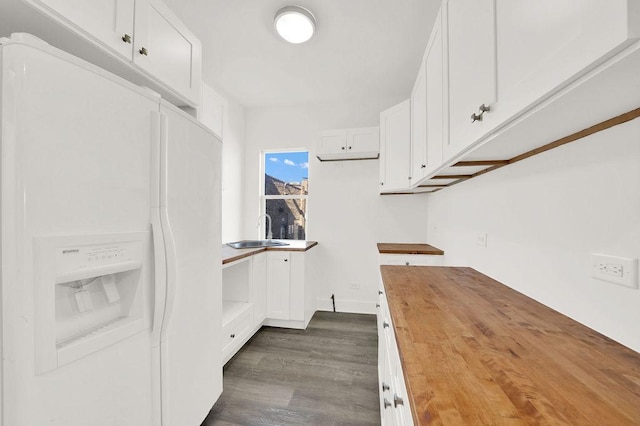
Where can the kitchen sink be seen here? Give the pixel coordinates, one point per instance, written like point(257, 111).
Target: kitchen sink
point(256, 244)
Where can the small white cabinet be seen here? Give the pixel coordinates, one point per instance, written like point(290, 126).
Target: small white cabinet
point(348, 144)
point(395, 147)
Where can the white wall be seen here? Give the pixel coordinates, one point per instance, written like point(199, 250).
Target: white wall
point(346, 214)
point(226, 117)
point(544, 217)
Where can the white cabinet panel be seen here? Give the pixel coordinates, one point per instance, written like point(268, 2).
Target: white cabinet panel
point(110, 21)
point(278, 285)
point(471, 38)
point(436, 112)
point(395, 147)
point(259, 286)
point(538, 51)
point(411, 259)
point(419, 126)
point(167, 49)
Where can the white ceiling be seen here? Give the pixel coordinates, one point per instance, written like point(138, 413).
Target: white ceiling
point(363, 49)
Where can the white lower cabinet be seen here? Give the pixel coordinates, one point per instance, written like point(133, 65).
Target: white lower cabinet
point(289, 289)
point(259, 287)
point(394, 402)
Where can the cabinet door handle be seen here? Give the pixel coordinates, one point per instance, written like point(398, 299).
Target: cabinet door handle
point(126, 38)
point(233, 336)
point(484, 108)
point(476, 117)
point(423, 166)
point(385, 325)
point(380, 292)
point(397, 401)
point(377, 305)
point(385, 387)
point(387, 404)
point(143, 51)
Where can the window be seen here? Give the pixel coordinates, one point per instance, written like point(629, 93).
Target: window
point(286, 187)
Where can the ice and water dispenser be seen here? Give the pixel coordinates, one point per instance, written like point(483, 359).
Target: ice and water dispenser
point(89, 293)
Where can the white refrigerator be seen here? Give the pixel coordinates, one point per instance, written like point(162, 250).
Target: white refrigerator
point(110, 281)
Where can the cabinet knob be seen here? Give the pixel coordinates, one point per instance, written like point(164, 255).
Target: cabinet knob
point(377, 305)
point(423, 166)
point(233, 336)
point(143, 51)
point(476, 117)
point(286, 260)
point(381, 183)
point(484, 108)
point(380, 292)
point(385, 387)
point(349, 147)
point(342, 148)
point(397, 401)
point(409, 177)
point(406, 263)
point(126, 38)
point(387, 404)
point(385, 325)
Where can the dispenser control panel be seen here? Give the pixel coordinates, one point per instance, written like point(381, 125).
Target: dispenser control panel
point(90, 256)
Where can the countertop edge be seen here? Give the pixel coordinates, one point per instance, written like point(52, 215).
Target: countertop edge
point(409, 248)
point(253, 251)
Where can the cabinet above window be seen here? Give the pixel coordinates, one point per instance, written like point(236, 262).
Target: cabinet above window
point(348, 144)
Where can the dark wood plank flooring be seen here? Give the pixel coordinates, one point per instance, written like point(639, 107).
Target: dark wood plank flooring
point(324, 375)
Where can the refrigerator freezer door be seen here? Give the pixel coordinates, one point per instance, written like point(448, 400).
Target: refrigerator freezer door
point(190, 343)
point(75, 160)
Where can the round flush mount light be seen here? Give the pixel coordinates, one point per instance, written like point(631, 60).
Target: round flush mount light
point(295, 24)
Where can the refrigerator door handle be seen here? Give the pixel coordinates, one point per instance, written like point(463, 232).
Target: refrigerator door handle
point(170, 252)
point(160, 272)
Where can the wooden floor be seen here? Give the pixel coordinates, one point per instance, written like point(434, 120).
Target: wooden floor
point(324, 375)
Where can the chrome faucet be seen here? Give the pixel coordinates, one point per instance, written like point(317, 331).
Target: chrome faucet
point(269, 233)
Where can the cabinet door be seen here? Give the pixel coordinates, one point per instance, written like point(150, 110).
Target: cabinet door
point(543, 44)
point(435, 100)
point(278, 285)
point(419, 126)
point(471, 37)
point(165, 48)
point(259, 281)
point(365, 139)
point(395, 142)
point(108, 21)
point(332, 142)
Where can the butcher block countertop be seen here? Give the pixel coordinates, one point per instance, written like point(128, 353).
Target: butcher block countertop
point(476, 352)
point(230, 254)
point(398, 248)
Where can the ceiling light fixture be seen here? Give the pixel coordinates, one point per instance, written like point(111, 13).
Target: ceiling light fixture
point(295, 24)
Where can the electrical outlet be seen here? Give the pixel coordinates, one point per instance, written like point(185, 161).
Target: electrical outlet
point(354, 286)
point(616, 270)
point(481, 239)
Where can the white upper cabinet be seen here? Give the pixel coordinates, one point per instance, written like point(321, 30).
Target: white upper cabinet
point(419, 126)
point(395, 147)
point(471, 61)
point(110, 21)
point(435, 98)
point(543, 45)
point(348, 144)
point(155, 46)
point(165, 48)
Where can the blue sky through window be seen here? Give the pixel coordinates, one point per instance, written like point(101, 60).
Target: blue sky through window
point(287, 166)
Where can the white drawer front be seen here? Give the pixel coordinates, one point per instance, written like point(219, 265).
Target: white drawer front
point(411, 259)
point(235, 331)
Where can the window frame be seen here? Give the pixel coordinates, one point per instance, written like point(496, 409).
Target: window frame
point(263, 197)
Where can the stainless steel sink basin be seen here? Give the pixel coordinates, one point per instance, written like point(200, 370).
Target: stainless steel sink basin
point(256, 244)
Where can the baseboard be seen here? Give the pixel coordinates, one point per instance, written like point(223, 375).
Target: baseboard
point(349, 306)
